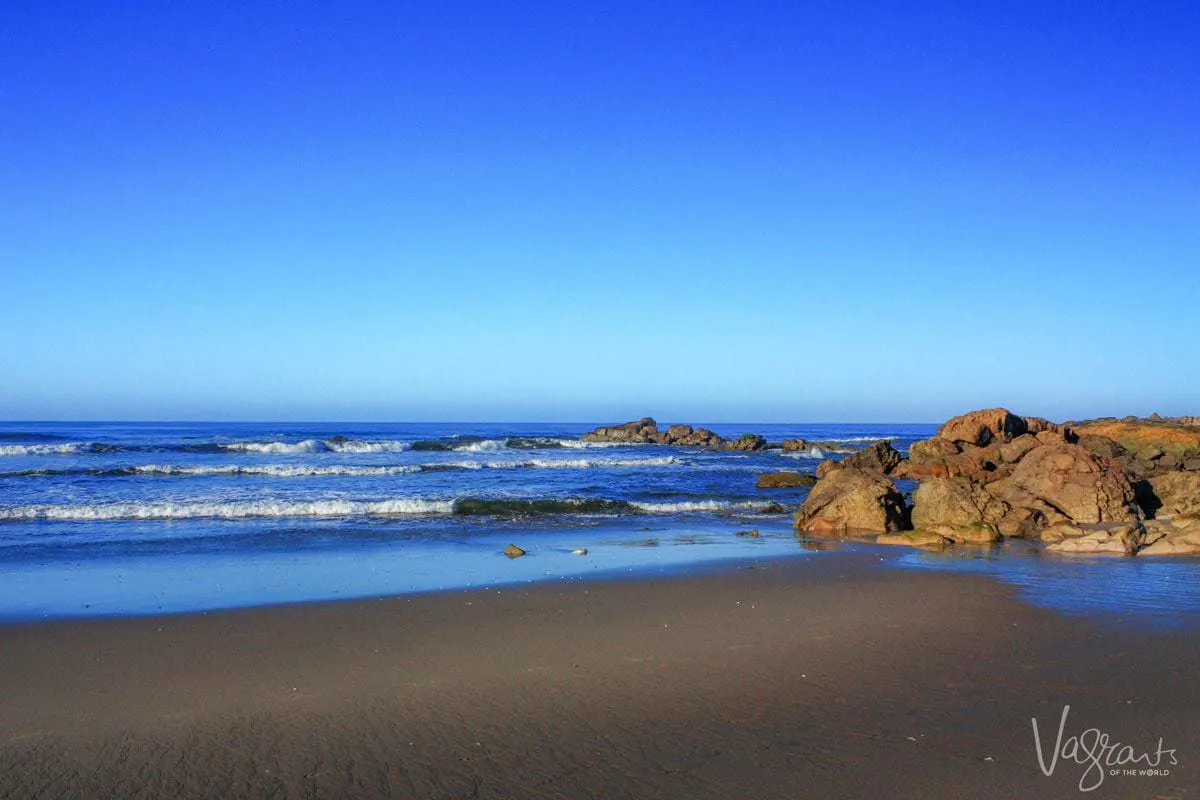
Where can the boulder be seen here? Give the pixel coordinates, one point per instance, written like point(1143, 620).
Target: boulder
point(1117, 538)
point(914, 539)
point(1101, 446)
point(1179, 537)
point(958, 509)
point(877, 457)
point(849, 500)
point(936, 458)
point(645, 431)
point(512, 551)
point(784, 480)
point(1177, 493)
point(699, 437)
point(1013, 451)
point(825, 467)
point(982, 428)
point(795, 445)
point(748, 442)
point(1079, 485)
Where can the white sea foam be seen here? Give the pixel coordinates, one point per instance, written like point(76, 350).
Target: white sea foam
point(691, 506)
point(316, 446)
point(812, 452)
point(601, 463)
point(306, 446)
point(41, 449)
point(579, 444)
point(354, 446)
point(278, 470)
point(484, 446)
point(237, 510)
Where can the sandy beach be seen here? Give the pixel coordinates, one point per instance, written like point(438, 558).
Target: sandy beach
point(786, 678)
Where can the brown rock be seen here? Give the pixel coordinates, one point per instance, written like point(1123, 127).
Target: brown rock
point(794, 445)
point(784, 480)
point(850, 500)
point(914, 539)
point(825, 467)
point(978, 463)
point(1078, 484)
point(982, 428)
point(512, 551)
point(1152, 447)
point(1178, 493)
point(645, 431)
point(1118, 538)
point(1179, 537)
point(1101, 446)
point(748, 442)
point(958, 509)
point(876, 457)
point(1018, 448)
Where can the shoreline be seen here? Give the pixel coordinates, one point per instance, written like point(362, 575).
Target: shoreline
point(790, 679)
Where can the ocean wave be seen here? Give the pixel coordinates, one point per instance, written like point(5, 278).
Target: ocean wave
point(481, 446)
point(24, 436)
point(236, 510)
point(812, 452)
point(505, 507)
point(348, 470)
point(334, 445)
point(70, 448)
point(575, 463)
point(272, 470)
point(280, 509)
point(694, 506)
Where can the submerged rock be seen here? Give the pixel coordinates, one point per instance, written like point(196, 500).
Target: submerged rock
point(784, 480)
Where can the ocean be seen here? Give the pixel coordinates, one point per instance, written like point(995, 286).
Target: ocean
point(120, 518)
point(101, 519)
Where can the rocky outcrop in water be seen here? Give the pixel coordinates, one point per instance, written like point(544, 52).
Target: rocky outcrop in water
point(851, 501)
point(784, 480)
point(992, 474)
point(646, 431)
point(747, 442)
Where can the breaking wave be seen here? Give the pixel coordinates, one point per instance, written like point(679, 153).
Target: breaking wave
point(43, 449)
point(335, 445)
point(239, 510)
point(279, 509)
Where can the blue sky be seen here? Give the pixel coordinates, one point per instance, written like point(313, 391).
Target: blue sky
point(555, 211)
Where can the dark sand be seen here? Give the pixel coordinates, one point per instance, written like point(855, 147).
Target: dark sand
point(821, 678)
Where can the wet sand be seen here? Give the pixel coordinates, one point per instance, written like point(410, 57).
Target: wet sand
point(826, 677)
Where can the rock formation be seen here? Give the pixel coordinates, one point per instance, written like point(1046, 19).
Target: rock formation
point(784, 480)
point(849, 501)
point(645, 431)
point(992, 474)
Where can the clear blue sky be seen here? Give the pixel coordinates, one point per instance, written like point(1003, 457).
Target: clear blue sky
point(552, 211)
